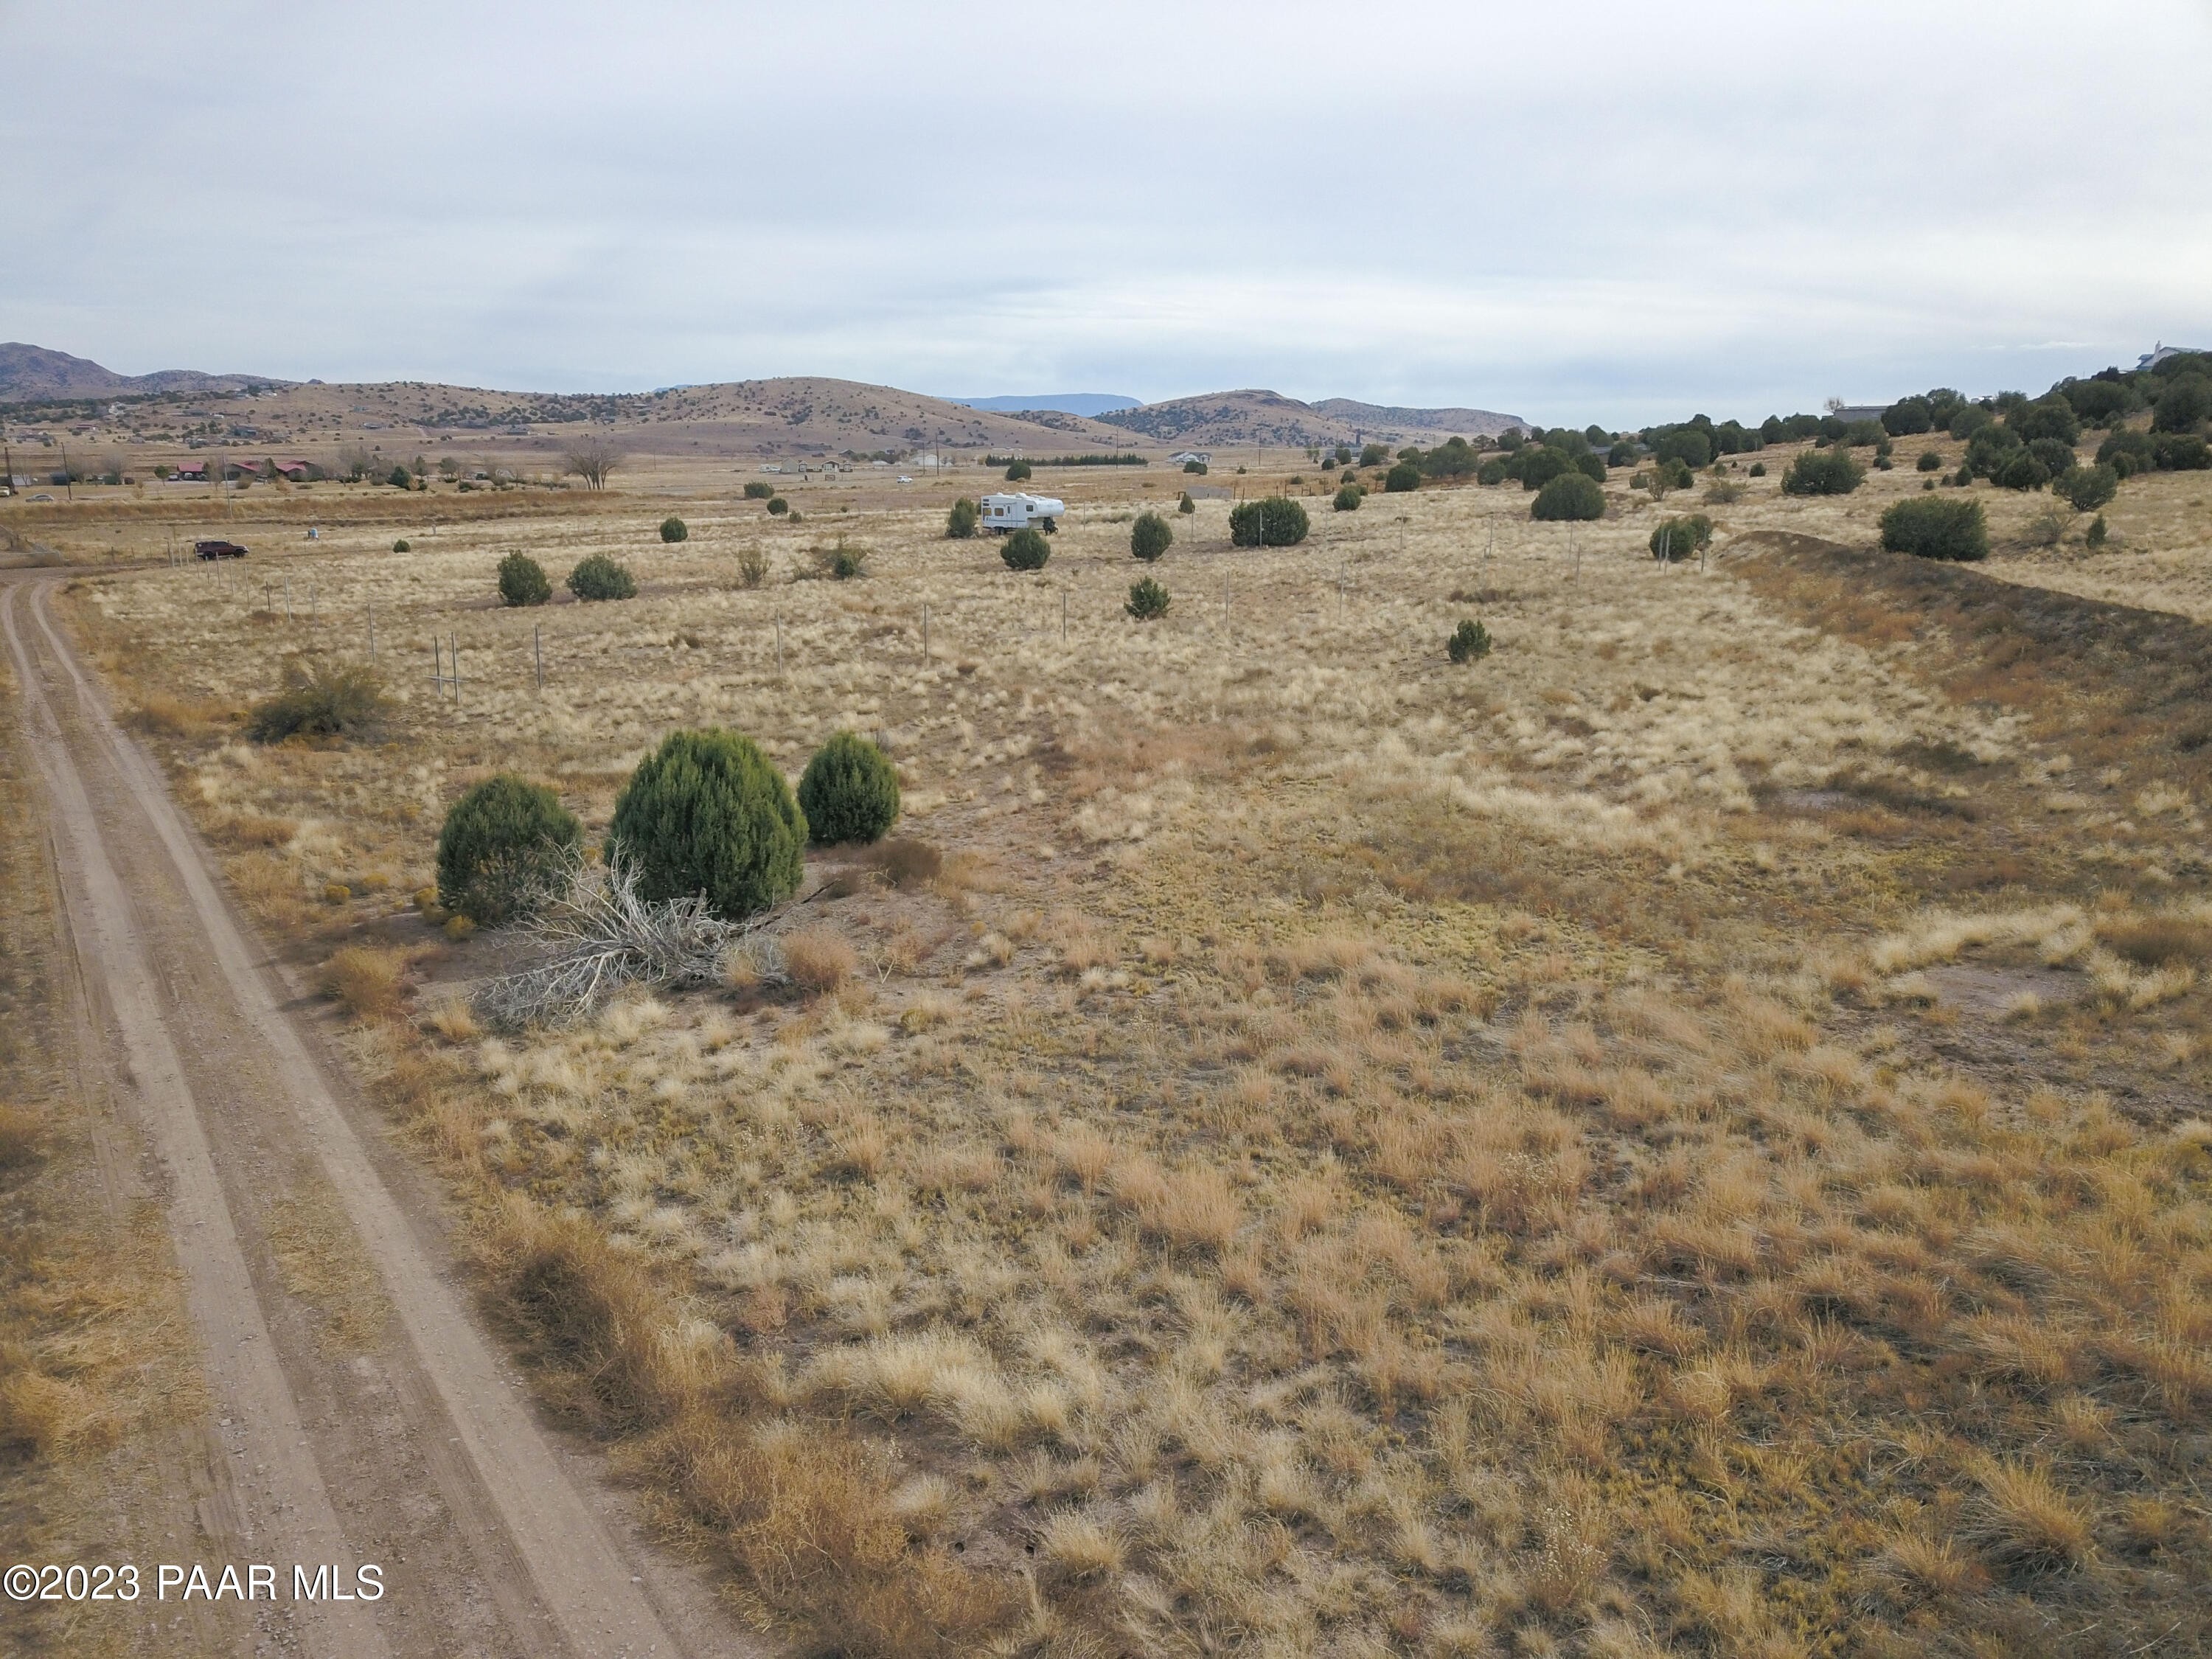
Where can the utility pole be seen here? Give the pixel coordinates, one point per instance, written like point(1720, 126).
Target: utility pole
point(68, 484)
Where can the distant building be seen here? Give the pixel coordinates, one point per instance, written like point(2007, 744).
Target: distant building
point(2159, 353)
point(294, 469)
point(190, 473)
point(1183, 458)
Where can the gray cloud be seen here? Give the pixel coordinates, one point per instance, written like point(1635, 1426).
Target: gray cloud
point(1596, 212)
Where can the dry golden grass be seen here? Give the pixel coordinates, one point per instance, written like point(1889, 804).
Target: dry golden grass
point(98, 1376)
point(1328, 1151)
point(366, 980)
point(21, 1128)
point(818, 960)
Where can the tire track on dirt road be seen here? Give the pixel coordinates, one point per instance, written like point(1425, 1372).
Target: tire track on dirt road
point(423, 1452)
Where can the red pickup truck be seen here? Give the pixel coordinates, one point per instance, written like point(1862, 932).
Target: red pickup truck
point(218, 549)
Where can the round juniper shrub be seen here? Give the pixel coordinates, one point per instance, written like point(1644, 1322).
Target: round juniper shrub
point(1186, 505)
point(1758, 468)
point(2046, 417)
point(758, 490)
point(673, 529)
point(2181, 451)
point(1494, 472)
point(1025, 549)
point(505, 846)
point(1829, 471)
point(2184, 405)
point(1469, 642)
point(1536, 467)
point(1570, 495)
point(1278, 521)
point(1284, 521)
point(1933, 527)
point(708, 813)
point(1347, 498)
point(2021, 470)
point(1147, 600)
point(1908, 417)
point(2094, 537)
point(1931, 460)
point(2088, 487)
point(598, 577)
point(1989, 448)
point(400, 546)
point(1195, 467)
point(399, 478)
point(960, 522)
point(522, 581)
point(778, 507)
point(849, 791)
point(1676, 540)
point(2097, 402)
point(1968, 419)
point(1149, 536)
point(2054, 456)
point(1016, 471)
point(1404, 477)
point(2127, 452)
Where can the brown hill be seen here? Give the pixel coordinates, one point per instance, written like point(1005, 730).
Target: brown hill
point(1388, 423)
point(1233, 418)
point(799, 415)
point(29, 374)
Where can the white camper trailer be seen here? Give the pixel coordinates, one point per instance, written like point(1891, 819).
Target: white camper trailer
point(1003, 513)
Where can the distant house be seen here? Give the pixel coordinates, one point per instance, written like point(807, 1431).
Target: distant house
point(294, 469)
point(1186, 457)
point(190, 473)
point(2159, 353)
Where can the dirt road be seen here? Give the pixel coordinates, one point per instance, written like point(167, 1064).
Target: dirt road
point(366, 1419)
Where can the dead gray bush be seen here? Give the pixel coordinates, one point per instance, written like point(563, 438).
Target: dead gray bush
point(599, 935)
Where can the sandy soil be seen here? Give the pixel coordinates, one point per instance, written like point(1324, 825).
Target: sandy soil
point(364, 1417)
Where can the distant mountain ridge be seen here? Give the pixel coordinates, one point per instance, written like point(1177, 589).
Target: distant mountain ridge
point(1091, 403)
point(1452, 422)
point(29, 374)
point(1252, 416)
point(794, 413)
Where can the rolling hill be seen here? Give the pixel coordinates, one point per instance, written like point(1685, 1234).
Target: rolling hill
point(1064, 403)
point(1233, 418)
point(29, 374)
point(792, 415)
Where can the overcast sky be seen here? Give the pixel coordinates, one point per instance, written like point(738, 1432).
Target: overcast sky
point(1598, 211)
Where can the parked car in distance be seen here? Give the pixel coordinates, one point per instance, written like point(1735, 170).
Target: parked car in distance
point(218, 550)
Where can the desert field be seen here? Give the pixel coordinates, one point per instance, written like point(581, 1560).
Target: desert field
point(1686, 1134)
